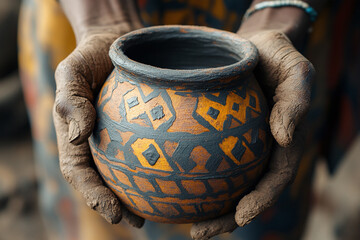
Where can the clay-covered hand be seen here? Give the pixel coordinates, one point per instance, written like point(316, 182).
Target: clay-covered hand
point(78, 79)
point(285, 77)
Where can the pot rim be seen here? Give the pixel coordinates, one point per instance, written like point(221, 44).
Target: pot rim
point(241, 47)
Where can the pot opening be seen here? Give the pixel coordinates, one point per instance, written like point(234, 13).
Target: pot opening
point(181, 51)
point(189, 57)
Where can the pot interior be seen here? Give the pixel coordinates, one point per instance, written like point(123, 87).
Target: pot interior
point(181, 51)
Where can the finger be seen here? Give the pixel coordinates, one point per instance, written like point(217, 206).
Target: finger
point(79, 115)
point(292, 99)
point(78, 79)
point(207, 229)
point(73, 101)
point(282, 170)
point(132, 219)
point(75, 165)
point(287, 76)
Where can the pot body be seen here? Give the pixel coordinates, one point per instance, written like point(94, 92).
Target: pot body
point(179, 155)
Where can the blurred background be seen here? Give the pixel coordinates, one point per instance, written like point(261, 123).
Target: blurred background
point(335, 203)
point(19, 217)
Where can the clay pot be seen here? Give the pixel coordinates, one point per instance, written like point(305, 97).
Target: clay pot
point(182, 130)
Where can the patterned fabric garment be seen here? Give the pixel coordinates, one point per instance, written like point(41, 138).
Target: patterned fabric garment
point(334, 116)
point(45, 38)
point(343, 80)
point(220, 14)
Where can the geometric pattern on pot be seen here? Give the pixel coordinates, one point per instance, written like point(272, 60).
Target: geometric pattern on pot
point(179, 156)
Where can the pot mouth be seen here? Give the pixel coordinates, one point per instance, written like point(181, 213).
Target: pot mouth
point(184, 55)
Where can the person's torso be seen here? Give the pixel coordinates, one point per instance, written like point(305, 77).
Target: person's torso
point(220, 14)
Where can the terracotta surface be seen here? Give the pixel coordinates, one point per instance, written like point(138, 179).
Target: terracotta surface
point(182, 130)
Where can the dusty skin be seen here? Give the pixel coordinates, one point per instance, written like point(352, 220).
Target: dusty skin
point(78, 77)
point(283, 72)
point(286, 77)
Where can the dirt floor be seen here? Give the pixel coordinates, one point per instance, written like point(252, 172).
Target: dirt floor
point(335, 215)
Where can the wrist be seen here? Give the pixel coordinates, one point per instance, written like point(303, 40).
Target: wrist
point(291, 20)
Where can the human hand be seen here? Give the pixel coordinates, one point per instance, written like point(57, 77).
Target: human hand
point(285, 77)
point(78, 79)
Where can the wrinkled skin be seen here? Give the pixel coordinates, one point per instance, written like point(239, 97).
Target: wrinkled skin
point(284, 74)
point(78, 79)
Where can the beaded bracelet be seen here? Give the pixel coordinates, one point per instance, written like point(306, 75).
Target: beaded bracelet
point(282, 3)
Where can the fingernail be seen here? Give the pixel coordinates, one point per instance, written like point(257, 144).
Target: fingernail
point(242, 221)
point(197, 232)
point(74, 130)
point(242, 217)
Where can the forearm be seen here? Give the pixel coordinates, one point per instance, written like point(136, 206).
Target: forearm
point(292, 21)
point(88, 16)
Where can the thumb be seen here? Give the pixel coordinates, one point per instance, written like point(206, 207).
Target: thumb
point(286, 75)
point(79, 114)
point(292, 100)
point(73, 103)
point(78, 77)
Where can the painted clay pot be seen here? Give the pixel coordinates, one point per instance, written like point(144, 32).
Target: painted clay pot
point(182, 130)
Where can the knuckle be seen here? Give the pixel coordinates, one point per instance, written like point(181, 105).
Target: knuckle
point(68, 69)
point(63, 69)
point(301, 65)
point(279, 35)
point(305, 66)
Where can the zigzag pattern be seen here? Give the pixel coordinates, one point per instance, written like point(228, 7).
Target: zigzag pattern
point(179, 156)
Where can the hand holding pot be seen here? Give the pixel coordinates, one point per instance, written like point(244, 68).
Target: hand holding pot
point(285, 77)
point(78, 79)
